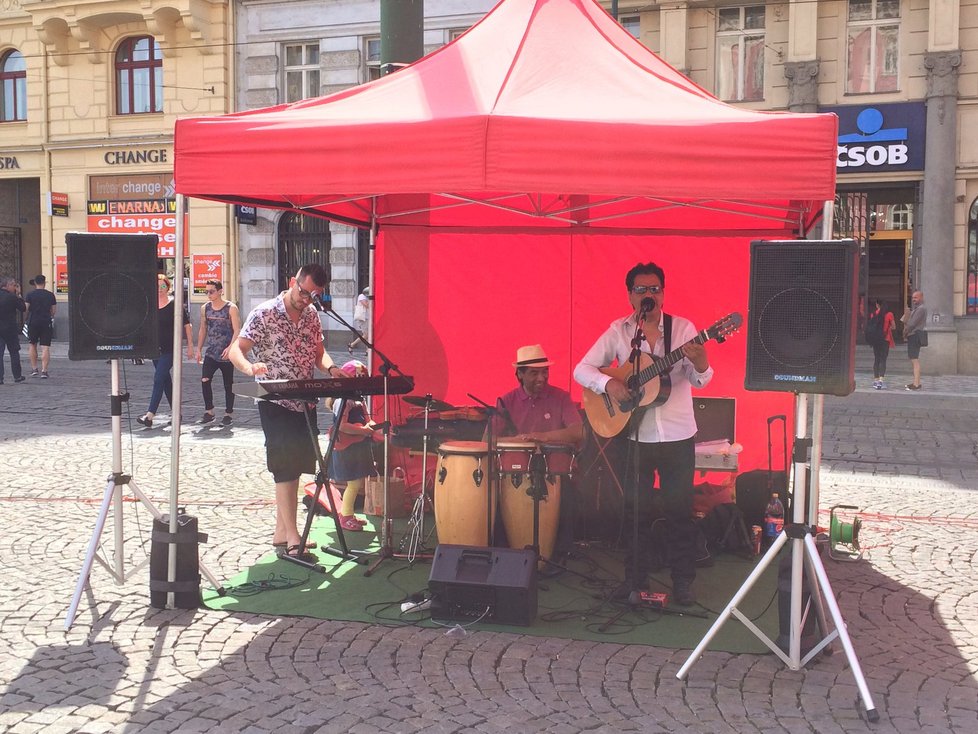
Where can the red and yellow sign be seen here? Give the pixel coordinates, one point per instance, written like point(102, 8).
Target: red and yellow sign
point(204, 268)
point(61, 274)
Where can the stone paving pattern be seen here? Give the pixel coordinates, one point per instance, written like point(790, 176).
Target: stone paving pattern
point(908, 461)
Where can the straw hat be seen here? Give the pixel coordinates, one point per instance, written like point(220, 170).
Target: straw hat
point(531, 356)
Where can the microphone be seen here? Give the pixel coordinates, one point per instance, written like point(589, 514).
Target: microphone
point(648, 304)
point(324, 303)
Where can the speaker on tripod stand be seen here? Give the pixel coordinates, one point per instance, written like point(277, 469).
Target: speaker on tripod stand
point(112, 298)
point(801, 327)
point(801, 338)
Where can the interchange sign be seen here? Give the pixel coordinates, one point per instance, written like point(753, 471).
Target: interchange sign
point(135, 203)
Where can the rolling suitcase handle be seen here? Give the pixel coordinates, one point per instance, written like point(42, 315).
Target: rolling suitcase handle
point(784, 453)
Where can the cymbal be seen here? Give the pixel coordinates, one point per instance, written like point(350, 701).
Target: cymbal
point(423, 400)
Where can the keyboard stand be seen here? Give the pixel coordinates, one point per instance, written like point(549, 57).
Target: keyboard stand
point(322, 460)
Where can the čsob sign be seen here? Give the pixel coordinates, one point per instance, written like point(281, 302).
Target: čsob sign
point(880, 137)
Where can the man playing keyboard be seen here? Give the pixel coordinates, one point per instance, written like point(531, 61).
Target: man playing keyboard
point(285, 339)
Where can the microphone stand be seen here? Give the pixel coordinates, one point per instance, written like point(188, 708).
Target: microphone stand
point(387, 366)
point(492, 485)
point(633, 424)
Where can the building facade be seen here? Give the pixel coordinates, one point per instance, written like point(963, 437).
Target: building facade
point(89, 93)
point(902, 75)
point(82, 106)
point(288, 51)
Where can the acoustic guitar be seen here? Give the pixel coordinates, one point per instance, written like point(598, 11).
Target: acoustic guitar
point(651, 386)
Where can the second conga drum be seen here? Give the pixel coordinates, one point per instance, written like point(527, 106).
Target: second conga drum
point(517, 510)
point(462, 508)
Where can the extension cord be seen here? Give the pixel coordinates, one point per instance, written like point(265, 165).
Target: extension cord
point(415, 606)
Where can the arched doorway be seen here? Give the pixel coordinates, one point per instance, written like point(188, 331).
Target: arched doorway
point(301, 240)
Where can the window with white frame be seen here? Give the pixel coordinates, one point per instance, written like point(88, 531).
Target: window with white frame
point(371, 55)
point(873, 53)
point(301, 71)
point(631, 23)
point(740, 53)
point(454, 33)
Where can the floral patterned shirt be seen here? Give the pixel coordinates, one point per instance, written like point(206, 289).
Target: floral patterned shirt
point(289, 350)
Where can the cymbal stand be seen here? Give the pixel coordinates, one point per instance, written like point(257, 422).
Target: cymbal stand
point(803, 551)
point(418, 511)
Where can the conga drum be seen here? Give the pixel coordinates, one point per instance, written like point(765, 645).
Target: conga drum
point(559, 458)
point(462, 508)
point(517, 506)
point(513, 457)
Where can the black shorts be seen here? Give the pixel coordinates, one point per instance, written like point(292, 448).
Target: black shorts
point(40, 333)
point(289, 452)
point(913, 346)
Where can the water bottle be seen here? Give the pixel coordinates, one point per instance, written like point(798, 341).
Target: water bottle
point(773, 520)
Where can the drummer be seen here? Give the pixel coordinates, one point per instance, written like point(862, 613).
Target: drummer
point(539, 412)
point(536, 410)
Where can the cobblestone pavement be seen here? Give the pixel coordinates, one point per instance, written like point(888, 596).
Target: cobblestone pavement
point(908, 461)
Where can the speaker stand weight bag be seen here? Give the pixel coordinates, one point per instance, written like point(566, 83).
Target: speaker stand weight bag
point(113, 499)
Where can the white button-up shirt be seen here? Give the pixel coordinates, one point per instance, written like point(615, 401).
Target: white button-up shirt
point(672, 421)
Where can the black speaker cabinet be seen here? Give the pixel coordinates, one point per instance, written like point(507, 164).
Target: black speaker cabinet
point(801, 329)
point(112, 296)
point(496, 585)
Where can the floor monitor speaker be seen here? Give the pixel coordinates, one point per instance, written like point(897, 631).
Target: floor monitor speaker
point(801, 331)
point(497, 585)
point(112, 299)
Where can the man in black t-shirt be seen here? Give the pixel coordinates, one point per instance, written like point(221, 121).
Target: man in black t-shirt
point(41, 307)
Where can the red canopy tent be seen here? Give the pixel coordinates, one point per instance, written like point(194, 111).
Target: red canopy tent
point(514, 175)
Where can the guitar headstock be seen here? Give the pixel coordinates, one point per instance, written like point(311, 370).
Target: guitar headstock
point(724, 327)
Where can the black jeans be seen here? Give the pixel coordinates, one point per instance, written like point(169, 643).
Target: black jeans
point(880, 353)
point(210, 368)
point(674, 463)
point(10, 341)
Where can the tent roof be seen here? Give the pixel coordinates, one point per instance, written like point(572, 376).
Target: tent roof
point(544, 114)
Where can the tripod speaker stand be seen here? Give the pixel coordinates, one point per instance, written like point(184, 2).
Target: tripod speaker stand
point(113, 499)
point(803, 551)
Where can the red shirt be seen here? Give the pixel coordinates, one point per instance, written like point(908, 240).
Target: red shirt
point(551, 410)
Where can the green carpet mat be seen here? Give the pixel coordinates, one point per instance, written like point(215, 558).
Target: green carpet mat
point(570, 605)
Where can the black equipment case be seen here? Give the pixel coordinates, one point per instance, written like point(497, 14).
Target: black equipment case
point(754, 488)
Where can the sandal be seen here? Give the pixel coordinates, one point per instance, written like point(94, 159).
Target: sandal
point(279, 547)
point(295, 551)
point(349, 522)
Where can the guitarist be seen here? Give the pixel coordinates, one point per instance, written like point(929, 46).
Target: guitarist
point(665, 433)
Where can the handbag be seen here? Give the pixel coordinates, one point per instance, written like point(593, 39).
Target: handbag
point(921, 338)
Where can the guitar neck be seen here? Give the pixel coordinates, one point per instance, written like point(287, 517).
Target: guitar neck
point(661, 365)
